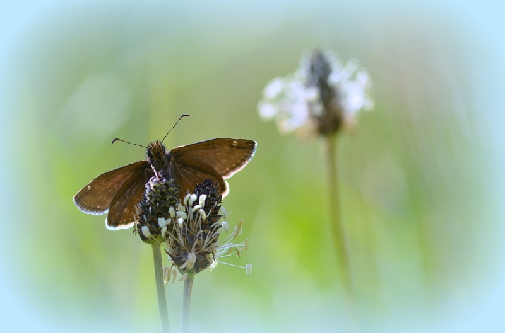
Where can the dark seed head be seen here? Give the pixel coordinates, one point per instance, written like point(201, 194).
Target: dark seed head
point(160, 195)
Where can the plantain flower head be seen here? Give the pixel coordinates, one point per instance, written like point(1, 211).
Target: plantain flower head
point(321, 97)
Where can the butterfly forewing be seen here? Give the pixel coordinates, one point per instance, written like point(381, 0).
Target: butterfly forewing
point(96, 197)
point(212, 159)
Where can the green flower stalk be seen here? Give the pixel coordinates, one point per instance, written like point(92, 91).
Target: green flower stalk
point(190, 231)
point(160, 196)
point(321, 98)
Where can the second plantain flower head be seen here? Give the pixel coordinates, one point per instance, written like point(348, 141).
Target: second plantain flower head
point(321, 97)
point(190, 229)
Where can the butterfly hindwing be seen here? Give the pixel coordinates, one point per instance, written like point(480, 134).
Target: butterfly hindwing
point(188, 175)
point(123, 208)
point(215, 159)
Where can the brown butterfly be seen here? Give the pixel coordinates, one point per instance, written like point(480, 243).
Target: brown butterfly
point(119, 191)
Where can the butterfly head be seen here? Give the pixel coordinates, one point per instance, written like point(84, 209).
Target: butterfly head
point(157, 156)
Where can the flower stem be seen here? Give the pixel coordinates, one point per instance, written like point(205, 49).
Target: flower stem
point(186, 303)
point(336, 224)
point(160, 287)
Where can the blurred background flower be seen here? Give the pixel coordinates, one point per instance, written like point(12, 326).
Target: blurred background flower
point(422, 183)
point(321, 97)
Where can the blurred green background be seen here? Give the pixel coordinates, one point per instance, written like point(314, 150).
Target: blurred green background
point(421, 178)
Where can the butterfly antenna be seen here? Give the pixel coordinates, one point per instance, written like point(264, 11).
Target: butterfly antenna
point(133, 144)
point(182, 116)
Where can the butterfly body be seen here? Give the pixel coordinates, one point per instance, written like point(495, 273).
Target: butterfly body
point(158, 158)
point(119, 191)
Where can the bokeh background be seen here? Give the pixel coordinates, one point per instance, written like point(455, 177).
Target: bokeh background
point(421, 178)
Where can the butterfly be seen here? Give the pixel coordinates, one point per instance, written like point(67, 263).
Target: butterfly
point(119, 191)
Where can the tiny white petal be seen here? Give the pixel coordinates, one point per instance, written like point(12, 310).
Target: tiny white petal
point(171, 212)
point(297, 89)
point(267, 111)
point(192, 199)
point(201, 200)
point(273, 88)
point(163, 231)
point(348, 70)
point(299, 117)
point(167, 272)
point(145, 231)
point(225, 226)
point(335, 77)
point(162, 222)
point(190, 260)
point(202, 214)
point(312, 94)
point(181, 214)
point(180, 221)
point(222, 211)
point(363, 78)
point(186, 198)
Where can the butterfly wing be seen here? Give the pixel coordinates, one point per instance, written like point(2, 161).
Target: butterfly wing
point(215, 159)
point(97, 196)
point(187, 176)
point(123, 208)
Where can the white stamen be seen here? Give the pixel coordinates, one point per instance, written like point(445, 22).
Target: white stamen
point(274, 88)
point(202, 214)
point(171, 212)
point(167, 272)
point(162, 222)
point(192, 199)
point(191, 260)
point(186, 198)
point(182, 214)
point(248, 269)
point(202, 199)
point(145, 231)
point(223, 212)
point(237, 230)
